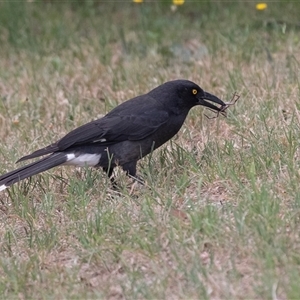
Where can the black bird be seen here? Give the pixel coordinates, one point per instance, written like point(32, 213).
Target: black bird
point(123, 136)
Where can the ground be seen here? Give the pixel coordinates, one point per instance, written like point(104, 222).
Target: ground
point(218, 216)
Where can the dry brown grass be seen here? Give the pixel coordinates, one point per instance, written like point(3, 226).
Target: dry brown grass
point(219, 215)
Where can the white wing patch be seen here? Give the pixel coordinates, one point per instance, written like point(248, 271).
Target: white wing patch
point(2, 187)
point(82, 160)
point(100, 140)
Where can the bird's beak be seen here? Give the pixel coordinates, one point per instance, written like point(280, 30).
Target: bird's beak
point(212, 98)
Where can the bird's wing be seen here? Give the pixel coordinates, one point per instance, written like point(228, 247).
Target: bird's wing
point(134, 119)
point(116, 128)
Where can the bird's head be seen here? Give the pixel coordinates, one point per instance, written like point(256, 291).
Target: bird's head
point(180, 96)
point(191, 94)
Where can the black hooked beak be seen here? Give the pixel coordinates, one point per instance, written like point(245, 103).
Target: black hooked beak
point(212, 98)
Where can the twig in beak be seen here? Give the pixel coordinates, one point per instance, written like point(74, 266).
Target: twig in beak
point(223, 109)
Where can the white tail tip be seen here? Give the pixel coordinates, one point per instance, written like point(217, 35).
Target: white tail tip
point(3, 187)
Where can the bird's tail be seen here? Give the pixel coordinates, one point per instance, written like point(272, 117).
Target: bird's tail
point(29, 170)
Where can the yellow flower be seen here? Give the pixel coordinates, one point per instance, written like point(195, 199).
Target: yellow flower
point(178, 2)
point(137, 1)
point(261, 6)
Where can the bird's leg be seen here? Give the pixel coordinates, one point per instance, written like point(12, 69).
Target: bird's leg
point(109, 172)
point(130, 169)
point(137, 178)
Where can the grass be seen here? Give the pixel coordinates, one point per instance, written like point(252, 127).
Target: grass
point(219, 215)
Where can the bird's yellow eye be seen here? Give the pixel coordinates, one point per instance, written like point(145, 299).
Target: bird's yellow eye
point(195, 91)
